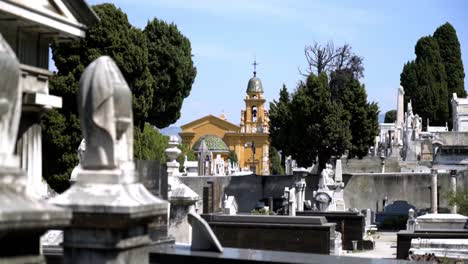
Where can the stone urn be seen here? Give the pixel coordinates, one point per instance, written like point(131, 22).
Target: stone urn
point(173, 152)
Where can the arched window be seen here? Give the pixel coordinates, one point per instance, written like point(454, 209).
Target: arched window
point(254, 113)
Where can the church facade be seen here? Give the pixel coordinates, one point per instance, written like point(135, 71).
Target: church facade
point(250, 140)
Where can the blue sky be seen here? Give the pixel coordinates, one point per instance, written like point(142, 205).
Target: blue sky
point(226, 36)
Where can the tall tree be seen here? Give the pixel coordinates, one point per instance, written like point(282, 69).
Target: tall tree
point(425, 83)
point(320, 125)
point(449, 48)
point(171, 65)
point(390, 116)
point(275, 162)
point(361, 116)
point(128, 46)
point(280, 120)
point(434, 75)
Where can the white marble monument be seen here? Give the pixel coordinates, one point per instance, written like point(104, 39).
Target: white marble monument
point(106, 200)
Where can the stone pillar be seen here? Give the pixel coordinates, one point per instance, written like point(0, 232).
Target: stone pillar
point(30, 152)
point(112, 211)
point(298, 195)
point(453, 189)
point(434, 191)
point(182, 199)
point(292, 202)
point(23, 218)
point(339, 171)
point(400, 114)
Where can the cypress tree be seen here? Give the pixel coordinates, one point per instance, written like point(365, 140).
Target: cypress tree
point(280, 119)
point(449, 48)
point(424, 81)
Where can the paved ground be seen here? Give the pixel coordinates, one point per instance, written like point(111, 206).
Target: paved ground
point(385, 247)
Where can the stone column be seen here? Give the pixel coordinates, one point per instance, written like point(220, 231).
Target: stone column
point(339, 171)
point(434, 191)
point(400, 114)
point(182, 199)
point(112, 211)
point(298, 194)
point(292, 202)
point(453, 188)
point(30, 151)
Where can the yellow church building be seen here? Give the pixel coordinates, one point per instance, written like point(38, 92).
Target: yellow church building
point(250, 140)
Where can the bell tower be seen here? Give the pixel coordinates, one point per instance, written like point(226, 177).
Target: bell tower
point(254, 119)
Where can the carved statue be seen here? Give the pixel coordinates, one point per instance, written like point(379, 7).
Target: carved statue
point(10, 104)
point(105, 108)
point(417, 123)
point(326, 177)
point(409, 116)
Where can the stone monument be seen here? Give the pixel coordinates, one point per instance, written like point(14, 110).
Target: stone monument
point(400, 115)
point(329, 196)
point(111, 210)
point(182, 199)
point(23, 219)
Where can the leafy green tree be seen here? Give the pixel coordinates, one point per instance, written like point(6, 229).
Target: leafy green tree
point(362, 116)
point(150, 144)
point(232, 156)
point(432, 85)
point(186, 151)
point(280, 120)
point(434, 75)
point(390, 116)
point(449, 48)
point(460, 199)
point(171, 65)
point(275, 162)
point(128, 46)
point(320, 125)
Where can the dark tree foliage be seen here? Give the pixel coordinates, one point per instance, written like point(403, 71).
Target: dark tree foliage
point(390, 116)
point(232, 156)
point(150, 144)
point(424, 81)
point(128, 46)
point(434, 75)
point(280, 121)
point(275, 162)
point(171, 65)
point(320, 125)
point(449, 48)
point(363, 117)
point(325, 118)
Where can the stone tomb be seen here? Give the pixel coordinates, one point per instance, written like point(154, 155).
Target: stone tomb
point(311, 234)
point(442, 227)
point(351, 225)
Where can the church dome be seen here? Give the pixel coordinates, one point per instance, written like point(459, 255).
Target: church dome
point(255, 85)
point(213, 144)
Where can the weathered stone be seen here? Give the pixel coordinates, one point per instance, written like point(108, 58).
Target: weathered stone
point(111, 210)
point(23, 219)
point(203, 237)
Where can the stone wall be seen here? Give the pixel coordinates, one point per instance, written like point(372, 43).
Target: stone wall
point(247, 189)
point(370, 165)
point(363, 190)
